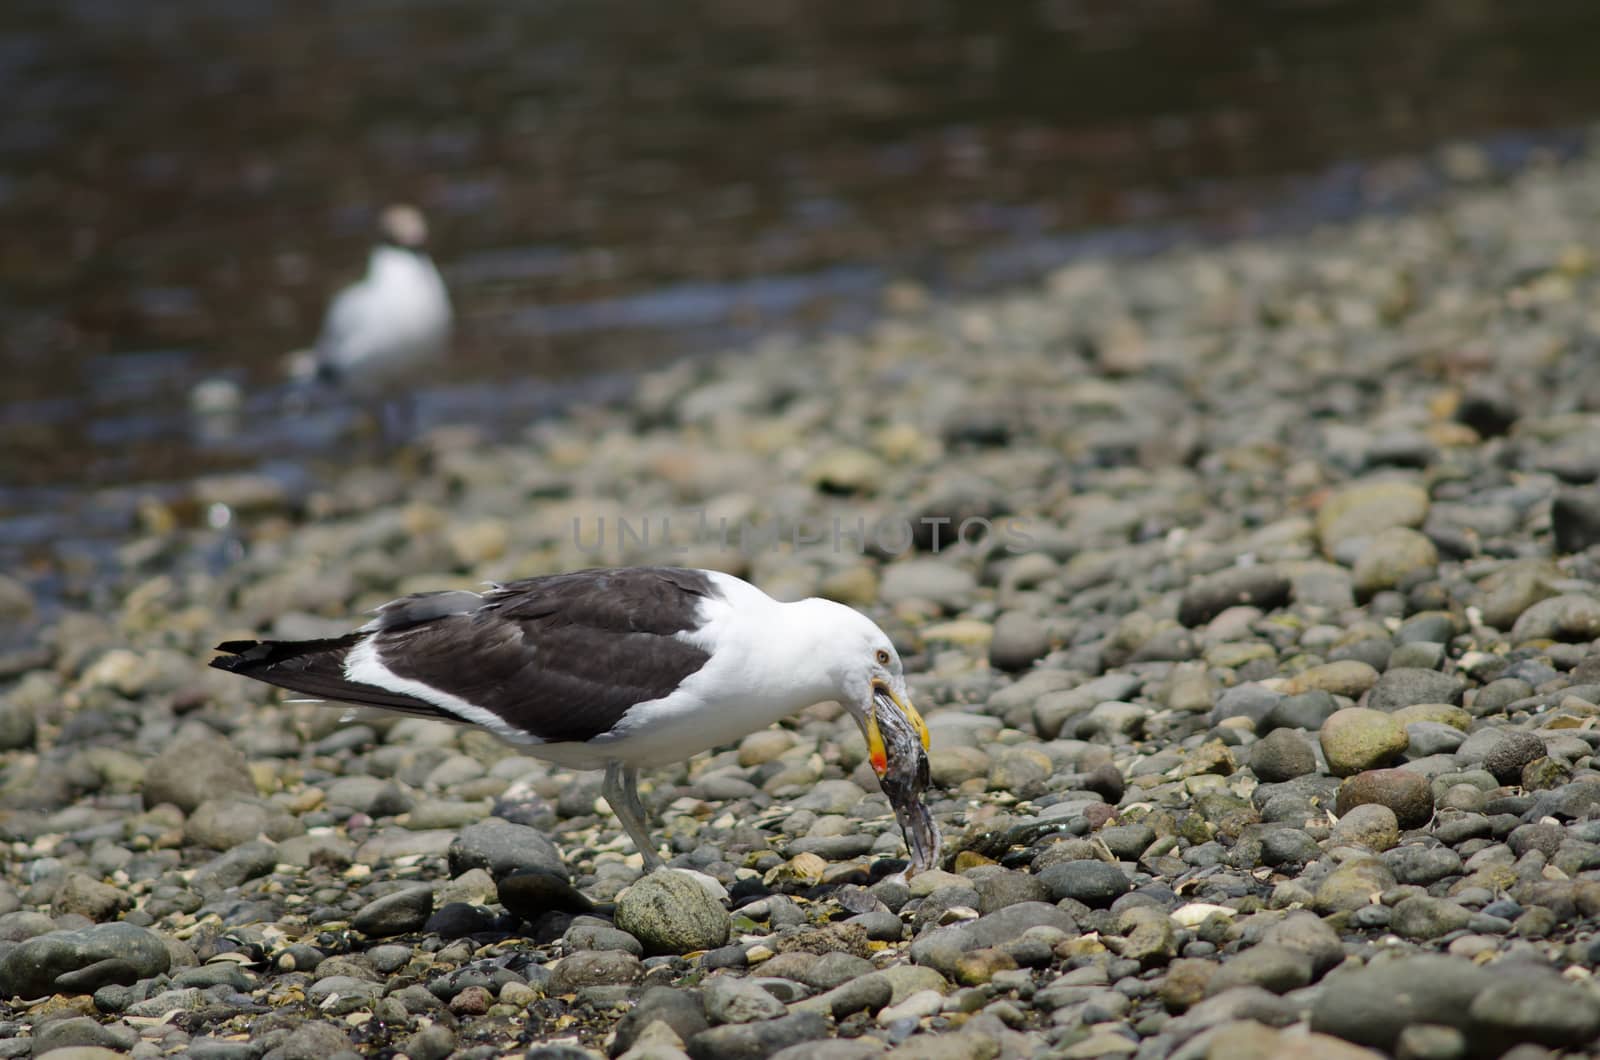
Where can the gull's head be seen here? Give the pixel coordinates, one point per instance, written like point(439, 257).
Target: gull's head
point(404, 226)
point(870, 682)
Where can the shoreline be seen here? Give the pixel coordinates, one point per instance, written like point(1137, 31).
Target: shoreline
point(84, 518)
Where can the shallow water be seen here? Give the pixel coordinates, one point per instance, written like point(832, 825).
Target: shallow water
point(615, 183)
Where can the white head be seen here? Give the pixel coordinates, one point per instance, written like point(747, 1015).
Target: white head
point(404, 226)
point(868, 680)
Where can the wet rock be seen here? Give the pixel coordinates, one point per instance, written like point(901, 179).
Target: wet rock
point(671, 912)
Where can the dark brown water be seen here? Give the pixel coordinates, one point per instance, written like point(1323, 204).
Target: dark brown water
point(614, 182)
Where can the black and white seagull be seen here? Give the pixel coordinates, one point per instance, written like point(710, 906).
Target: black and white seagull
point(621, 669)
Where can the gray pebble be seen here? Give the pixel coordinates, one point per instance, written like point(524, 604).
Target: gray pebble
point(670, 912)
point(1094, 883)
point(395, 914)
point(1282, 754)
point(32, 967)
point(757, 1041)
point(504, 848)
point(593, 968)
point(728, 999)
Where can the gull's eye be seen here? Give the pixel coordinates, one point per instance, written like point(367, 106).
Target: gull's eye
point(883, 657)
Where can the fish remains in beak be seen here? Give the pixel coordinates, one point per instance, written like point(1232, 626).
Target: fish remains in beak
point(897, 746)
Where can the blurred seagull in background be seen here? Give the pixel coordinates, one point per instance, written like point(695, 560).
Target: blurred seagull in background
point(382, 334)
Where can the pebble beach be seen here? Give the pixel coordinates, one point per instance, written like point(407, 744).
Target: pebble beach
point(1251, 594)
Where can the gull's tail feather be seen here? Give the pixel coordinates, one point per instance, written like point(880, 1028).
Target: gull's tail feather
point(314, 667)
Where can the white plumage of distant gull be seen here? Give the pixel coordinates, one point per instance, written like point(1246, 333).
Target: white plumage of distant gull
point(384, 334)
point(621, 669)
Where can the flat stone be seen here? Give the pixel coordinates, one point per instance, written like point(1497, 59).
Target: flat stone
point(1373, 1004)
point(1094, 883)
point(1422, 918)
point(395, 914)
point(593, 968)
point(195, 769)
point(1572, 617)
point(32, 968)
point(1354, 884)
point(504, 848)
point(1403, 686)
point(1262, 586)
point(1540, 1008)
point(757, 1041)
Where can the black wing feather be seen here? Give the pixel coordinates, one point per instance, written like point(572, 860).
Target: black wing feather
point(562, 657)
point(315, 667)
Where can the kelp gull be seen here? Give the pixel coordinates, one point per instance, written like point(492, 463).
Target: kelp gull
point(621, 669)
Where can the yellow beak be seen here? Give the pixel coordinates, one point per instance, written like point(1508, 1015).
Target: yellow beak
point(877, 754)
point(916, 719)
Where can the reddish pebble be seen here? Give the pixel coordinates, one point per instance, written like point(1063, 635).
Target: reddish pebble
point(472, 1001)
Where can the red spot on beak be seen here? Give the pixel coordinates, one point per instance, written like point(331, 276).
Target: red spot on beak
point(880, 762)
